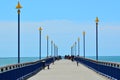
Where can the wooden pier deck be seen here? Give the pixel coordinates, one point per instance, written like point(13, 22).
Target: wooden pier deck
point(67, 70)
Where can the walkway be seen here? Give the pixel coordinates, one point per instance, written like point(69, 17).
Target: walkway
point(67, 70)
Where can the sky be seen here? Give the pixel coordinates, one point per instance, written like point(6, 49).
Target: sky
point(63, 21)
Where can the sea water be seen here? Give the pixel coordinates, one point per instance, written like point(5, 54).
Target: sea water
point(106, 58)
point(13, 60)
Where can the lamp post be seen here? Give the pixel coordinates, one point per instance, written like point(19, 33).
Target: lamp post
point(71, 50)
point(97, 20)
point(51, 48)
point(47, 46)
point(40, 30)
point(84, 43)
point(54, 50)
point(18, 7)
point(57, 51)
point(78, 46)
point(75, 48)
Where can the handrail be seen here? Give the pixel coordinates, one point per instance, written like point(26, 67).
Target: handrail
point(23, 70)
point(111, 64)
point(109, 69)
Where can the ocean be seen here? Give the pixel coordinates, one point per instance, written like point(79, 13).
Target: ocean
point(115, 59)
point(13, 60)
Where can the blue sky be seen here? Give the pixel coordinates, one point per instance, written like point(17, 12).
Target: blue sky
point(64, 21)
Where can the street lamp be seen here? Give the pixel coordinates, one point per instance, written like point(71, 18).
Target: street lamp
point(71, 50)
point(78, 46)
point(54, 50)
point(51, 48)
point(75, 48)
point(18, 7)
point(40, 30)
point(84, 43)
point(97, 20)
point(47, 46)
point(57, 51)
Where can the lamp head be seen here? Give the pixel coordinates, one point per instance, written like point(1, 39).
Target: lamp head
point(78, 39)
point(97, 20)
point(83, 32)
point(18, 6)
point(40, 29)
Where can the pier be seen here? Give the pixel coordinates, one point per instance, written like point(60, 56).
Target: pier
point(51, 65)
point(67, 70)
point(62, 69)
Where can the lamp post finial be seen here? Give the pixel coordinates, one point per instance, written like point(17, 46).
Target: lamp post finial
point(40, 29)
point(97, 20)
point(18, 5)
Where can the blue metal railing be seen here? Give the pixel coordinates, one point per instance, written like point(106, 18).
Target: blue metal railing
point(24, 70)
point(111, 70)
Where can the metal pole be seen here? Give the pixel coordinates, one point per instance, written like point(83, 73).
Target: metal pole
point(75, 48)
point(84, 43)
point(40, 46)
point(51, 48)
point(78, 46)
point(18, 35)
point(97, 38)
point(47, 46)
point(40, 30)
point(72, 51)
point(57, 51)
point(54, 50)
point(54, 53)
point(18, 7)
point(96, 41)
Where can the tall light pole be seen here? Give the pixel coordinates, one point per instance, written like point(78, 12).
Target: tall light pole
point(71, 50)
point(54, 53)
point(47, 46)
point(75, 48)
point(57, 51)
point(54, 50)
point(78, 46)
point(51, 48)
point(84, 43)
point(18, 7)
point(97, 20)
point(40, 30)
